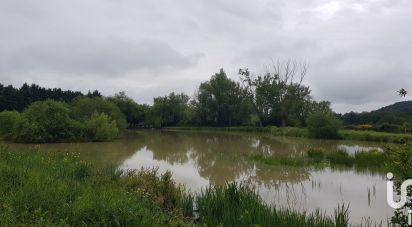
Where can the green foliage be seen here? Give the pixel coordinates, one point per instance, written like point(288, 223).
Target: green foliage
point(288, 131)
point(401, 166)
point(279, 161)
point(59, 189)
point(372, 160)
point(221, 102)
point(51, 121)
point(387, 119)
point(12, 98)
point(401, 161)
point(303, 132)
point(47, 121)
point(317, 155)
point(280, 100)
point(375, 136)
point(134, 113)
point(8, 122)
point(340, 158)
point(161, 190)
point(323, 125)
point(152, 120)
point(172, 110)
point(101, 127)
point(84, 107)
point(239, 205)
point(56, 189)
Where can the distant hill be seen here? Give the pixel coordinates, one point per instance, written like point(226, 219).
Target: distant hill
point(402, 107)
point(387, 118)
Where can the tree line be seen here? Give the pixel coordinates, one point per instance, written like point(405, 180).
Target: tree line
point(276, 98)
point(12, 98)
point(279, 98)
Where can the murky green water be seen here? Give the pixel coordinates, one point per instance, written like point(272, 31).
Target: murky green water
point(199, 158)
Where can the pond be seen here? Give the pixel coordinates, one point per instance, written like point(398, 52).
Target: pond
point(198, 159)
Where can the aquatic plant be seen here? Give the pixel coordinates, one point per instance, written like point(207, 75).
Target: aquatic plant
point(239, 205)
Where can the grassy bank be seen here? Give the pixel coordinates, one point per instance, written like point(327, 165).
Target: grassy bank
point(375, 136)
point(48, 189)
point(303, 132)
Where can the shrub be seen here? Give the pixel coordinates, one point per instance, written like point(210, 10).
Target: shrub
point(8, 121)
point(387, 127)
point(84, 107)
point(323, 125)
point(101, 127)
point(47, 121)
point(401, 166)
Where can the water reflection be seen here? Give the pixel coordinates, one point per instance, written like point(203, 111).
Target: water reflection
point(198, 159)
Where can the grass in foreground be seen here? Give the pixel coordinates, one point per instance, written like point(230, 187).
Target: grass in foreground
point(46, 189)
point(54, 189)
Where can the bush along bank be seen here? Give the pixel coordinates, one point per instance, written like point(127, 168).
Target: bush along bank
point(85, 119)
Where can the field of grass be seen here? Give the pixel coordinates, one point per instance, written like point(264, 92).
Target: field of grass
point(59, 189)
point(303, 132)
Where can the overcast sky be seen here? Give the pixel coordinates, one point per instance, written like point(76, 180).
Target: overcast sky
point(358, 52)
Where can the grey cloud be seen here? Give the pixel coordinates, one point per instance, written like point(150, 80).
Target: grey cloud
point(358, 51)
point(357, 56)
point(111, 57)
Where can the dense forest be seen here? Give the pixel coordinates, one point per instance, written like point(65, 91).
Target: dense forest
point(278, 98)
point(12, 98)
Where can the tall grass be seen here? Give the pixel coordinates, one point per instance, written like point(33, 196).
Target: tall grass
point(46, 189)
point(372, 160)
point(317, 155)
point(238, 205)
point(279, 161)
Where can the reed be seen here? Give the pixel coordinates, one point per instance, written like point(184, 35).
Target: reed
point(239, 205)
point(279, 161)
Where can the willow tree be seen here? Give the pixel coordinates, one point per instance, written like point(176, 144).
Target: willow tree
point(278, 96)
